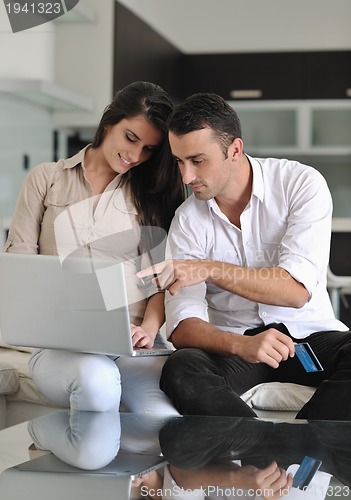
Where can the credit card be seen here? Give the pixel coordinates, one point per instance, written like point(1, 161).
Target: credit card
point(305, 472)
point(307, 357)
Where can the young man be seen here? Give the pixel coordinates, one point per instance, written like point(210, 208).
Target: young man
point(248, 279)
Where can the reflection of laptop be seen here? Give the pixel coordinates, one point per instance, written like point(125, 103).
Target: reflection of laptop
point(132, 465)
point(24, 485)
point(48, 477)
point(78, 305)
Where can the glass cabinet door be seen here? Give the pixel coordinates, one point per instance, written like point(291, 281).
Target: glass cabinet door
point(331, 127)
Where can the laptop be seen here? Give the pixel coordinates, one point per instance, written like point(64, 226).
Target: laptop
point(76, 305)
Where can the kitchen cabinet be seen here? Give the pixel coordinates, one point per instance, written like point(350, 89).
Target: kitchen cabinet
point(327, 75)
point(330, 125)
point(297, 127)
point(46, 94)
point(269, 125)
point(270, 76)
point(252, 76)
point(314, 132)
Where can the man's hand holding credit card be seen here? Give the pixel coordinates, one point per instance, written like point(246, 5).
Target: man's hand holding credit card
point(307, 358)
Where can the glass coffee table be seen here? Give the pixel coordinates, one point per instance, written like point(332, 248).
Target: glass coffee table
point(89, 455)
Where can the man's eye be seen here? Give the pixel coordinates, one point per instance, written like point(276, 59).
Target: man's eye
point(197, 162)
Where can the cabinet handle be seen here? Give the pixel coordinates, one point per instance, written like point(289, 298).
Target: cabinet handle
point(348, 92)
point(246, 94)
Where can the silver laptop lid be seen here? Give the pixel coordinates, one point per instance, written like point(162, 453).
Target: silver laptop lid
point(74, 306)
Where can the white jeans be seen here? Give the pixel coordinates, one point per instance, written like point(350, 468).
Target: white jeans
point(94, 382)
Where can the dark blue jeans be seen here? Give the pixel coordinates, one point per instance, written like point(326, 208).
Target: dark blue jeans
point(202, 383)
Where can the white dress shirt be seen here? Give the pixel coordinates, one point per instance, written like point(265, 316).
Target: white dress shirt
point(287, 223)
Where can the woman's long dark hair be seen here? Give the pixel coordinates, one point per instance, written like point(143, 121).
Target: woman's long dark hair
point(156, 186)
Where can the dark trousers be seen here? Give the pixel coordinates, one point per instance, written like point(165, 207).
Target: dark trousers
point(201, 383)
point(193, 442)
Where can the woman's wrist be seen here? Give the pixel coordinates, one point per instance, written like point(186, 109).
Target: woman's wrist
point(150, 329)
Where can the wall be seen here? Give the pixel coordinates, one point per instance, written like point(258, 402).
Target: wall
point(26, 54)
point(218, 26)
point(25, 129)
point(75, 55)
point(84, 62)
point(144, 55)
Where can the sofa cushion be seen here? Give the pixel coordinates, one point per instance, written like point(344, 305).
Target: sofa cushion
point(14, 347)
point(278, 396)
point(9, 379)
point(26, 389)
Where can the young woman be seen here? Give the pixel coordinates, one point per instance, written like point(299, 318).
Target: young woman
point(97, 204)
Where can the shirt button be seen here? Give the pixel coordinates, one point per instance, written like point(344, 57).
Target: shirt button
point(264, 314)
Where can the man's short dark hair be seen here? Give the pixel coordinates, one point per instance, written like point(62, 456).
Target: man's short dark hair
point(204, 110)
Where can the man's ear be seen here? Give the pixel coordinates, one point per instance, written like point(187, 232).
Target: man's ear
point(236, 149)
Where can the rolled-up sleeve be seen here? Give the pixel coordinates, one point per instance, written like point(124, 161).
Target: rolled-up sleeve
point(186, 241)
point(305, 245)
point(25, 225)
point(189, 302)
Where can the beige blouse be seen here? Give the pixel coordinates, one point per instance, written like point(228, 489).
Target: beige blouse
point(56, 214)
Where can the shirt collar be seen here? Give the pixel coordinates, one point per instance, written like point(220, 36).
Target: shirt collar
point(257, 180)
point(76, 159)
point(257, 185)
point(123, 199)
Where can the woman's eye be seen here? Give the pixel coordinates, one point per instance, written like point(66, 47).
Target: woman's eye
point(130, 138)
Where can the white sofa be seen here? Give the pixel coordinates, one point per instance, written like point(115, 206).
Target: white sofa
point(20, 400)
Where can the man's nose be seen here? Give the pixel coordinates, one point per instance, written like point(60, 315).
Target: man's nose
point(187, 173)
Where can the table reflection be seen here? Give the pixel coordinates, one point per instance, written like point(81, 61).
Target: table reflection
point(83, 455)
point(85, 440)
point(227, 455)
point(205, 457)
point(90, 440)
